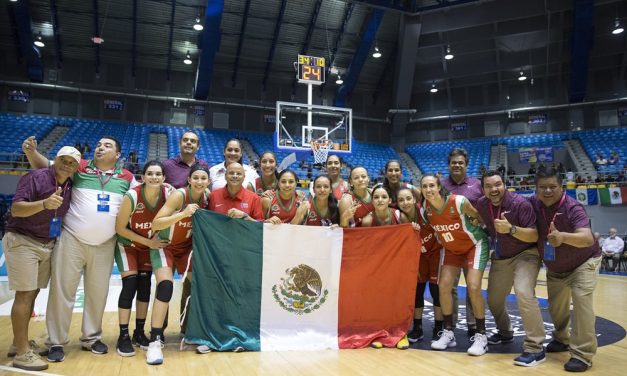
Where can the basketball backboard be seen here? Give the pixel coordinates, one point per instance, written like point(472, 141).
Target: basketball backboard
point(298, 125)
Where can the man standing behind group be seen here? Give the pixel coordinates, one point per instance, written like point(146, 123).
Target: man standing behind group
point(85, 246)
point(176, 170)
point(459, 183)
point(41, 200)
point(511, 223)
point(572, 257)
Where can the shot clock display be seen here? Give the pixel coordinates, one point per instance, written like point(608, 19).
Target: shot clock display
point(311, 69)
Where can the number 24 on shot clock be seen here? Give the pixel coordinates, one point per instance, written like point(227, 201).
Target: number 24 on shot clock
point(311, 69)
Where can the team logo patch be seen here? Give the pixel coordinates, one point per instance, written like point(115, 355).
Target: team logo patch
point(274, 208)
point(244, 205)
point(140, 206)
point(300, 290)
point(312, 215)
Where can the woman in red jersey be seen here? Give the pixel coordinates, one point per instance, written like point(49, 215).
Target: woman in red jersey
point(174, 221)
point(334, 169)
point(393, 181)
point(323, 210)
point(285, 205)
point(268, 180)
point(135, 239)
point(429, 267)
point(355, 205)
point(465, 245)
point(382, 215)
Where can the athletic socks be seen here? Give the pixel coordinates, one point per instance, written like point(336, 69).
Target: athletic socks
point(481, 325)
point(123, 330)
point(418, 323)
point(154, 333)
point(139, 324)
point(448, 322)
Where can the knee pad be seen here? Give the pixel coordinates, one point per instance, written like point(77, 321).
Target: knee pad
point(435, 294)
point(164, 291)
point(143, 286)
point(129, 287)
point(420, 292)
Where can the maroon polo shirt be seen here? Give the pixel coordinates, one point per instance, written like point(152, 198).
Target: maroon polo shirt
point(518, 212)
point(469, 187)
point(34, 186)
point(245, 200)
point(569, 217)
point(177, 171)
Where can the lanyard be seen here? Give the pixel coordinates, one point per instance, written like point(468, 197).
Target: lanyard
point(554, 214)
point(105, 181)
point(65, 185)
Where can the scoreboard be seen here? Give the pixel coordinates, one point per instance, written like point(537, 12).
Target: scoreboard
point(311, 69)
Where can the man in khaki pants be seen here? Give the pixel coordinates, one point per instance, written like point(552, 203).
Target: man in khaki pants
point(572, 257)
point(42, 198)
point(511, 222)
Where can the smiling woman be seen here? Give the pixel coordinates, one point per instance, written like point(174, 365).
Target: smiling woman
point(232, 153)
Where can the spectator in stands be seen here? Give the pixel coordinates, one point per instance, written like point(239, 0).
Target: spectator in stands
point(85, 246)
point(511, 223)
point(501, 170)
point(78, 146)
point(580, 180)
point(482, 169)
point(614, 158)
point(41, 200)
point(459, 183)
point(570, 175)
point(232, 153)
point(541, 167)
point(572, 257)
point(511, 171)
point(600, 160)
point(612, 248)
point(599, 179)
point(561, 169)
point(532, 170)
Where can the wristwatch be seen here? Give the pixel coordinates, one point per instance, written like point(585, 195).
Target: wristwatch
point(512, 230)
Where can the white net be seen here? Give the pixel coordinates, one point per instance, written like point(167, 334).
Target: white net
point(321, 150)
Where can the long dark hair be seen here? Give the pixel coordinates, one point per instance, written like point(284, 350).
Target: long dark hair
point(443, 191)
point(386, 183)
point(276, 162)
point(334, 211)
point(287, 171)
point(240, 148)
point(151, 163)
point(350, 175)
point(197, 166)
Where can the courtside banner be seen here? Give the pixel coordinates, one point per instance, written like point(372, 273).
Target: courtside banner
point(285, 287)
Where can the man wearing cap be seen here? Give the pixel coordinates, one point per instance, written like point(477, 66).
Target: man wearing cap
point(41, 200)
point(85, 246)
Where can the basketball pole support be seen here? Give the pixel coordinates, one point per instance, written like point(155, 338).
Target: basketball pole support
point(309, 109)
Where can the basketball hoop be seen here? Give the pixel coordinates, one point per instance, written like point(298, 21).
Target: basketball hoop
point(321, 149)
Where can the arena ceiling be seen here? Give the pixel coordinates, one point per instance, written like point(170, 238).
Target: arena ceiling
point(552, 41)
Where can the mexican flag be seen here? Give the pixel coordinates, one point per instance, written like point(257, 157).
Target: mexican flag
point(613, 196)
point(286, 287)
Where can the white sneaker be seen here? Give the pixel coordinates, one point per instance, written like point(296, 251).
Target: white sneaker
point(203, 349)
point(479, 345)
point(154, 355)
point(446, 340)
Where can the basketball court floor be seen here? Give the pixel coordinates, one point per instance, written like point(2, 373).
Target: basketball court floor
point(611, 359)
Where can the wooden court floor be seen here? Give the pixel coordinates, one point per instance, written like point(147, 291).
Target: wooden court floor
point(610, 303)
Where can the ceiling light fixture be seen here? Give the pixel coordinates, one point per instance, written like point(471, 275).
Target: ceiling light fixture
point(618, 28)
point(376, 54)
point(198, 26)
point(522, 76)
point(339, 80)
point(449, 55)
point(39, 41)
point(188, 58)
point(433, 89)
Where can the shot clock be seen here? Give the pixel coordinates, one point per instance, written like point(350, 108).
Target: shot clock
point(311, 70)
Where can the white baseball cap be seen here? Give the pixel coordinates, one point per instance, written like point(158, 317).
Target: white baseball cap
point(70, 151)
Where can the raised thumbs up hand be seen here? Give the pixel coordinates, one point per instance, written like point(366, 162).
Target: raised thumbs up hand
point(502, 225)
point(555, 238)
point(54, 200)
